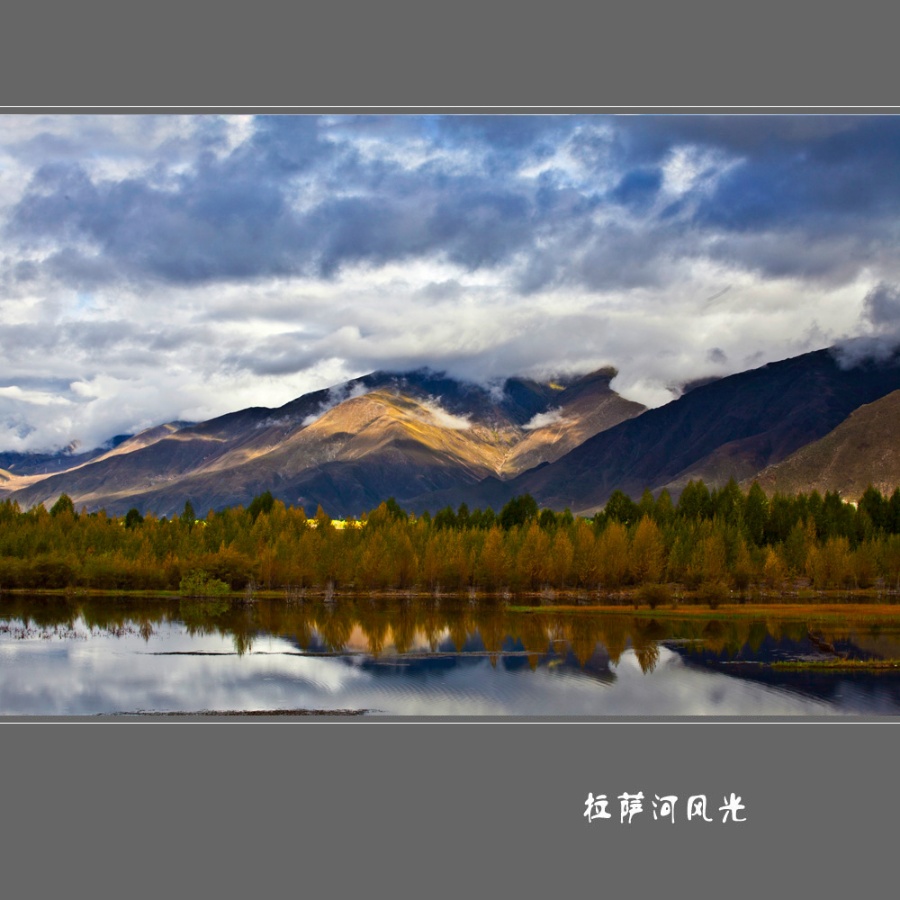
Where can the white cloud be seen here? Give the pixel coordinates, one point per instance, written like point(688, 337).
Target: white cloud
point(34, 398)
point(542, 420)
point(337, 394)
point(445, 419)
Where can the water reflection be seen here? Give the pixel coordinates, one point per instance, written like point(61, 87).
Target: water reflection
point(80, 656)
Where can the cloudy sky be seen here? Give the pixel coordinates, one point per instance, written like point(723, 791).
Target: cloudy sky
point(175, 267)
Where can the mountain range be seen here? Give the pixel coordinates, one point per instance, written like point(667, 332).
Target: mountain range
point(346, 448)
point(431, 441)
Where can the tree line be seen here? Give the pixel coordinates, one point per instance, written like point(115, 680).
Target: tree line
point(709, 542)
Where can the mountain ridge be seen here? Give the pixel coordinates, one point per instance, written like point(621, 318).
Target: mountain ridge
point(429, 441)
point(347, 447)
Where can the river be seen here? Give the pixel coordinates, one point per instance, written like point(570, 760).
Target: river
point(376, 656)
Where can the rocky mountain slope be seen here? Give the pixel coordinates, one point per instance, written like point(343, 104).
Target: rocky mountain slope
point(864, 449)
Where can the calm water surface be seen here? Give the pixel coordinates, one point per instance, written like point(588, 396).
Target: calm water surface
point(86, 657)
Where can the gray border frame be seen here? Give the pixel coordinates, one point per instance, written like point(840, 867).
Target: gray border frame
point(449, 807)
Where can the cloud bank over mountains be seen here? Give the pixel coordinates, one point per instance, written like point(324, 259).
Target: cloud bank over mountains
point(177, 267)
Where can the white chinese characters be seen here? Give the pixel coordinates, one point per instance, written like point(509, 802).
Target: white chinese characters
point(663, 807)
point(596, 807)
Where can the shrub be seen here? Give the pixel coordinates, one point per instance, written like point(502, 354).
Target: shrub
point(712, 593)
point(654, 594)
point(199, 584)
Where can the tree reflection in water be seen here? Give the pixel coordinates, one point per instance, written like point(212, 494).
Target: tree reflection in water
point(437, 655)
point(379, 625)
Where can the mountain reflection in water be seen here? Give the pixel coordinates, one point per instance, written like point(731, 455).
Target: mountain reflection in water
point(86, 656)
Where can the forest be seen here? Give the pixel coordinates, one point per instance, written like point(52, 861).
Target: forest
point(709, 545)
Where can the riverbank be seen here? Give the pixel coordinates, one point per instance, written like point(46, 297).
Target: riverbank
point(798, 599)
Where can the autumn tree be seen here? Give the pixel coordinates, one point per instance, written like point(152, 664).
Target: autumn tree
point(612, 555)
point(562, 555)
point(492, 563)
point(647, 554)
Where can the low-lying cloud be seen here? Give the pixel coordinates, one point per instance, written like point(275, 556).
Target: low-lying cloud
point(880, 324)
point(443, 418)
point(544, 419)
point(336, 395)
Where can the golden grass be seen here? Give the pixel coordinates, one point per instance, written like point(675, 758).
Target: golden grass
point(837, 664)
